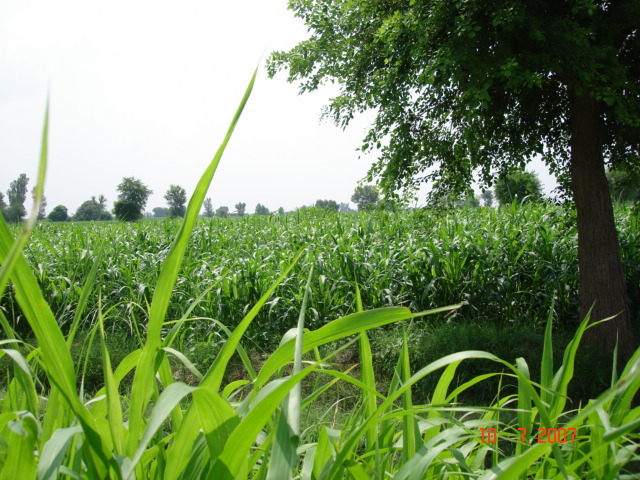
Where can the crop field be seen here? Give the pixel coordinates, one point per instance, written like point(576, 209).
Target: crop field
point(421, 344)
point(506, 270)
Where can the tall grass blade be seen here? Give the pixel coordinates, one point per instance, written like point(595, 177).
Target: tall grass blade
point(283, 457)
point(144, 375)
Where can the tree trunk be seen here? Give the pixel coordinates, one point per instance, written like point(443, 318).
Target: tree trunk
point(601, 277)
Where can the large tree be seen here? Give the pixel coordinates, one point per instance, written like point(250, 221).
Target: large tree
point(483, 86)
point(366, 197)
point(240, 208)
point(518, 186)
point(16, 195)
point(176, 198)
point(58, 214)
point(42, 210)
point(132, 198)
point(208, 208)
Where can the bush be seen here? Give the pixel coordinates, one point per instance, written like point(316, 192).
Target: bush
point(518, 186)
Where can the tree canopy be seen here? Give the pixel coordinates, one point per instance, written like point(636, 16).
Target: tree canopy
point(176, 198)
point(261, 209)
point(208, 208)
point(624, 184)
point(58, 214)
point(92, 210)
point(328, 204)
point(16, 195)
point(240, 208)
point(482, 87)
point(520, 186)
point(366, 197)
point(132, 198)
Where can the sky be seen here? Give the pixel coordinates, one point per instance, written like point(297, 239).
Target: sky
point(147, 89)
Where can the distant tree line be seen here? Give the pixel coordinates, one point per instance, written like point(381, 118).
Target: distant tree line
point(514, 186)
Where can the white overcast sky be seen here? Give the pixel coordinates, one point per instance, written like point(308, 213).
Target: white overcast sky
point(147, 89)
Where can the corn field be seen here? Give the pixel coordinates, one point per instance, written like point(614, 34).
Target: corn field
point(302, 288)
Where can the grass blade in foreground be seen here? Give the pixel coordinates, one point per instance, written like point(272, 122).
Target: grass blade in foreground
point(145, 372)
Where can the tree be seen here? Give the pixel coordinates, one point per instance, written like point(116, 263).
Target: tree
point(281, 211)
point(471, 87)
point(16, 195)
point(344, 207)
point(132, 198)
point(160, 212)
point(3, 206)
point(366, 197)
point(208, 208)
point(176, 197)
point(240, 209)
point(518, 186)
point(624, 184)
point(222, 212)
point(58, 214)
point(487, 198)
point(43, 204)
point(102, 201)
point(328, 204)
point(469, 200)
point(261, 210)
point(88, 211)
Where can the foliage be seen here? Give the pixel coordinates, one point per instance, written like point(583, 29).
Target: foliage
point(451, 81)
point(43, 204)
point(216, 435)
point(240, 208)
point(91, 210)
point(344, 207)
point(261, 209)
point(132, 198)
point(520, 186)
point(253, 427)
point(3, 205)
point(624, 184)
point(366, 197)
point(487, 198)
point(160, 212)
point(208, 208)
point(17, 194)
point(58, 214)
point(418, 259)
point(176, 197)
point(466, 88)
point(222, 212)
point(330, 204)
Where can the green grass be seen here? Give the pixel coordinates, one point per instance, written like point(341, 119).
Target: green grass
point(309, 302)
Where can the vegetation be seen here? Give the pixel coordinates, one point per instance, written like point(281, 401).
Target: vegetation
point(474, 87)
point(240, 209)
point(208, 208)
point(176, 197)
point(175, 420)
point(261, 209)
point(624, 184)
point(330, 204)
point(160, 212)
point(93, 210)
point(487, 198)
point(518, 186)
point(58, 214)
point(132, 198)
point(222, 212)
point(17, 194)
point(366, 197)
point(42, 213)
